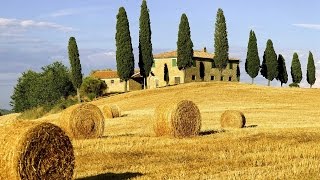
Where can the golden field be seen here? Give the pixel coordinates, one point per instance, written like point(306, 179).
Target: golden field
point(281, 140)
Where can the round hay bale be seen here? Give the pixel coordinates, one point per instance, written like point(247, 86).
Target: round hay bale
point(110, 112)
point(107, 112)
point(177, 119)
point(32, 150)
point(82, 121)
point(232, 119)
point(116, 112)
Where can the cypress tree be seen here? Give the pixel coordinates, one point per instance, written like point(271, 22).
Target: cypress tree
point(145, 45)
point(124, 52)
point(184, 45)
point(269, 68)
point(282, 70)
point(311, 70)
point(296, 69)
point(221, 46)
point(76, 75)
point(166, 74)
point(253, 61)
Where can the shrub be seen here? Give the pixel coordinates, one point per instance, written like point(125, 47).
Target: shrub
point(294, 85)
point(33, 113)
point(92, 87)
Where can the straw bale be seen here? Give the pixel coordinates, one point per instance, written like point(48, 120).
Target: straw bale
point(232, 119)
point(177, 119)
point(35, 150)
point(110, 112)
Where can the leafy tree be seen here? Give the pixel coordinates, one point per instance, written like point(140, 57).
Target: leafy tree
point(282, 70)
point(252, 64)
point(92, 86)
point(296, 69)
point(145, 45)
point(124, 54)
point(311, 70)
point(76, 75)
point(221, 46)
point(42, 89)
point(166, 74)
point(269, 68)
point(184, 45)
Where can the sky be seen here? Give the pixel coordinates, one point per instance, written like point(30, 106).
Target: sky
point(35, 33)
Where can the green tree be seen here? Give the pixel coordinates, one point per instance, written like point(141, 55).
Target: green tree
point(76, 75)
point(92, 86)
point(145, 45)
point(311, 70)
point(184, 45)
point(296, 69)
point(252, 64)
point(282, 70)
point(269, 67)
point(124, 53)
point(221, 46)
point(166, 74)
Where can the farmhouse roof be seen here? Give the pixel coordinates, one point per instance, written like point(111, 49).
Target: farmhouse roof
point(106, 74)
point(196, 53)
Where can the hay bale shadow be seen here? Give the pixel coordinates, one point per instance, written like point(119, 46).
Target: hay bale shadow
point(209, 132)
point(251, 126)
point(113, 176)
point(124, 115)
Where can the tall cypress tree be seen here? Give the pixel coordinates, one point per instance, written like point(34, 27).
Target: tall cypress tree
point(76, 75)
point(184, 45)
point(145, 45)
point(221, 46)
point(311, 70)
point(296, 69)
point(124, 53)
point(282, 70)
point(269, 68)
point(253, 61)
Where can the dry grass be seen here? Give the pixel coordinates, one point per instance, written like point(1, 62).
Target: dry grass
point(32, 150)
point(177, 119)
point(232, 119)
point(281, 140)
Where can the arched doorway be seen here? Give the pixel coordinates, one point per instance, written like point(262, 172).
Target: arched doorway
point(202, 69)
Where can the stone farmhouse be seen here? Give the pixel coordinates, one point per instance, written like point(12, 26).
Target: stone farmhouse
point(114, 84)
point(203, 69)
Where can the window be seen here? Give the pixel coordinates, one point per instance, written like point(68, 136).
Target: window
point(212, 78)
point(194, 63)
point(230, 78)
point(121, 80)
point(193, 77)
point(213, 65)
point(230, 66)
point(112, 81)
point(174, 62)
point(221, 78)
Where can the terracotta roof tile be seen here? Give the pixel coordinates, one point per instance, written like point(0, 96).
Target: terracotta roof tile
point(105, 74)
point(197, 54)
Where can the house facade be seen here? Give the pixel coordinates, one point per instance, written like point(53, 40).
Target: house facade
point(165, 70)
point(115, 84)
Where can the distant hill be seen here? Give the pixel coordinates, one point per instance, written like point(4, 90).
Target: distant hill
point(4, 111)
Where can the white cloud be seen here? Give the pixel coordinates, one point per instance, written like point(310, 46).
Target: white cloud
point(63, 12)
point(308, 26)
point(73, 11)
point(33, 24)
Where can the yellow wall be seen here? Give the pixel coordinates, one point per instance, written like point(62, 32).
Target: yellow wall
point(116, 86)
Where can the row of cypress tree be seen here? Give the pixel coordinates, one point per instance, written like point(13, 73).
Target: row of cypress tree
point(274, 67)
point(124, 51)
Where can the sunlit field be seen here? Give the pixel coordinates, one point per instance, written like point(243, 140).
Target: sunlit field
point(281, 139)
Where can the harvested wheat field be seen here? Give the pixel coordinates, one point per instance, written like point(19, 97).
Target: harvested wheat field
point(281, 139)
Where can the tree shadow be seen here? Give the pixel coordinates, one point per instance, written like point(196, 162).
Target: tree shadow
point(251, 126)
point(113, 176)
point(124, 115)
point(209, 132)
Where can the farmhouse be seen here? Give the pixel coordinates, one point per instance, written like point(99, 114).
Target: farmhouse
point(203, 69)
point(114, 84)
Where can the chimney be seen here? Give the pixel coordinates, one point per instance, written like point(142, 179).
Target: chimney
point(204, 49)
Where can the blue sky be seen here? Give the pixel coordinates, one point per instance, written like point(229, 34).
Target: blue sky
point(35, 33)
